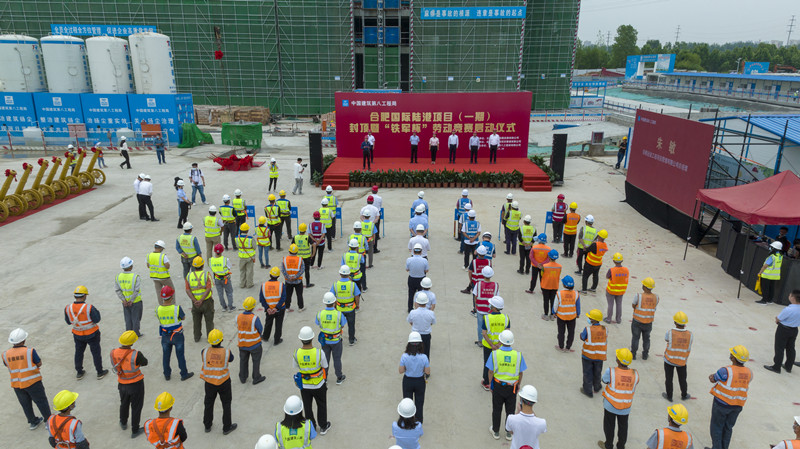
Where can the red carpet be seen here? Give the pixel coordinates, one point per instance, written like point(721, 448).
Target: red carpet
point(30, 212)
point(534, 179)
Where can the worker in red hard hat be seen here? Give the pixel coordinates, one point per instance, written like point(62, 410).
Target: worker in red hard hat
point(318, 232)
point(559, 211)
point(374, 205)
point(170, 317)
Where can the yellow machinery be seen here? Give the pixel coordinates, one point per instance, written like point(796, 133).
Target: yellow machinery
point(72, 182)
point(97, 175)
point(31, 197)
point(86, 180)
point(59, 187)
point(10, 204)
point(47, 193)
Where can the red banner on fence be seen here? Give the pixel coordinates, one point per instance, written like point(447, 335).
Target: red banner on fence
point(669, 158)
point(391, 118)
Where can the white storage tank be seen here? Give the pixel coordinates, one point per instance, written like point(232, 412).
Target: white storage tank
point(65, 64)
point(151, 57)
point(32, 136)
point(21, 69)
point(110, 65)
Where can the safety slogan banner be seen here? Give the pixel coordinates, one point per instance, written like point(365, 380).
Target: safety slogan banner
point(392, 117)
point(669, 158)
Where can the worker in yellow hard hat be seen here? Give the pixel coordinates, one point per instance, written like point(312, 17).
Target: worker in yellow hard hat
point(571, 222)
point(730, 394)
point(293, 268)
point(594, 260)
point(263, 241)
point(672, 436)
point(679, 345)
point(247, 256)
point(273, 213)
point(644, 310)
point(621, 383)
point(250, 328)
point(127, 363)
point(617, 285)
point(61, 434)
point(273, 298)
point(165, 431)
point(228, 216)
point(593, 354)
point(217, 376)
point(623, 149)
point(305, 250)
point(198, 289)
point(285, 213)
point(83, 318)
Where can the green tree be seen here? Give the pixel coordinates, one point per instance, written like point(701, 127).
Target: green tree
point(688, 60)
point(591, 57)
point(624, 45)
point(652, 47)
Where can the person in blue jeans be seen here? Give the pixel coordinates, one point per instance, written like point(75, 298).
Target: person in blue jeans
point(198, 183)
point(159, 143)
point(170, 328)
point(407, 429)
point(623, 148)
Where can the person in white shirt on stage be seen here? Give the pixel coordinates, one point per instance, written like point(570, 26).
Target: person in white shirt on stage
point(433, 144)
point(414, 139)
point(494, 142)
point(452, 145)
point(474, 144)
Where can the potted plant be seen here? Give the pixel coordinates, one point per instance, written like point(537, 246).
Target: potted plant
point(317, 178)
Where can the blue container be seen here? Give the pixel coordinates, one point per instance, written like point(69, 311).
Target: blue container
point(17, 112)
point(370, 4)
point(392, 36)
point(104, 113)
point(55, 112)
point(391, 4)
point(169, 111)
point(371, 35)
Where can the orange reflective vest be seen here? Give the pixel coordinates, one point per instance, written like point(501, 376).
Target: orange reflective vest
point(272, 291)
point(596, 258)
point(292, 265)
point(23, 371)
point(645, 309)
point(123, 362)
point(215, 365)
point(248, 334)
point(619, 391)
point(670, 439)
point(62, 429)
point(571, 224)
point(792, 444)
point(734, 390)
point(82, 324)
point(567, 309)
point(538, 254)
point(618, 283)
point(679, 344)
point(163, 433)
point(594, 347)
point(551, 272)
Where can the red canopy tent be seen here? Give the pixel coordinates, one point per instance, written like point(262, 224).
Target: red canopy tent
point(771, 201)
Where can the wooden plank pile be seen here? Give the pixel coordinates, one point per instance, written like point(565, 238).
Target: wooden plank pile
point(217, 115)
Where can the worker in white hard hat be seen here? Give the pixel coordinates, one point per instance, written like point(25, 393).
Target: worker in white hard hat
point(505, 208)
point(183, 203)
point(331, 324)
point(23, 364)
point(128, 287)
point(354, 260)
point(789, 444)
point(294, 431)
point(407, 430)
point(136, 183)
point(158, 264)
point(415, 368)
point(368, 230)
point(770, 273)
point(198, 182)
point(348, 296)
point(417, 269)
point(84, 318)
point(228, 222)
point(420, 239)
point(373, 207)
point(526, 234)
point(419, 218)
point(312, 366)
point(273, 175)
point(123, 151)
point(285, 213)
point(486, 241)
point(212, 227)
point(475, 270)
point(146, 191)
point(74, 156)
point(239, 208)
point(506, 367)
point(426, 285)
point(470, 232)
point(462, 218)
point(422, 320)
point(493, 324)
point(101, 161)
point(333, 204)
point(266, 442)
point(525, 426)
point(513, 216)
point(484, 290)
point(363, 249)
point(188, 247)
point(586, 237)
point(460, 211)
point(420, 200)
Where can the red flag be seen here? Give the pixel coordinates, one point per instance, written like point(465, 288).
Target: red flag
point(218, 54)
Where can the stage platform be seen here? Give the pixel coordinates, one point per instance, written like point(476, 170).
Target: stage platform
point(533, 180)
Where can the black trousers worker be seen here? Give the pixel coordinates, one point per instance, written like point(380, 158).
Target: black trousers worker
point(225, 396)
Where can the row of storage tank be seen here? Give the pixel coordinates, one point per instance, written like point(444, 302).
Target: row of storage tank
point(68, 61)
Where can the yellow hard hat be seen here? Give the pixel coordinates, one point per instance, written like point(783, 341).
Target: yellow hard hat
point(262, 219)
point(244, 227)
point(680, 318)
point(617, 257)
point(81, 290)
point(215, 336)
point(678, 413)
point(740, 353)
point(249, 303)
point(282, 193)
point(303, 227)
point(625, 356)
point(595, 314)
point(64, 399)
point(293, 248)
point(624, 137)
point(164, 402)
point(603, 234)
point(128, 338)
point(197, 262)
point(573, 205)
point(649, 283)
point(274, 272)
point(271, 197)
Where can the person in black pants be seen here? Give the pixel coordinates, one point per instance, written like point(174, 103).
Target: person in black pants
point(414, 377)
point(414, 139)
point(452, 145)
point(274, 311)
point(183, 203)
point(504, 391)
point(786, 334)
point(123, 151)
point(474, 144)
point(131, 395)
point(140, 197)
point(366, 163)
point(34, 393)
point(213, 388)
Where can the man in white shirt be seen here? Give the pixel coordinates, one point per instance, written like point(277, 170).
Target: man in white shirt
point(299, 168)
point(433, 144)
point(452, 145)
point(414, 139)
point(198, 183)
point(371, 140)
point(474, 143)
point(142, 211)
point(525, 426)
point(421, 320)
point(494, 142)
point(419, 238)
point(377, 204)
point(146, 191)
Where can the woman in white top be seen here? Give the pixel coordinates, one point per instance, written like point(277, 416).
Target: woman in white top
point(123, 151)
point(433, 143)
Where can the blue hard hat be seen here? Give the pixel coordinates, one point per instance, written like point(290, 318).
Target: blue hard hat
point(542, 237)
point(568, 281)
point(553, 254)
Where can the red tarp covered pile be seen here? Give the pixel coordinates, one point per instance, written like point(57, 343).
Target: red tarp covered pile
point(771, 201)
point(235, 163)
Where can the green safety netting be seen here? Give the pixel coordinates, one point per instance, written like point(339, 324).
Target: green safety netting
point(242, 134)
point(191, 136)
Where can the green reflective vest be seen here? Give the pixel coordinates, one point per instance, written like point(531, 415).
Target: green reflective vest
point(506, 365)
point(303, 245)
point(211, 228)
point(514, 216)
point(186, 241)
point(773, 271)
point(127, 281)
point(157, 268)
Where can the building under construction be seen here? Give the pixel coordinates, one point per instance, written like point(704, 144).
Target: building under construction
point(292, 55)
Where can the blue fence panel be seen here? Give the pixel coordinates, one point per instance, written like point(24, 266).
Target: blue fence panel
point(104, 113)
point(17, 112)
point(55, 112)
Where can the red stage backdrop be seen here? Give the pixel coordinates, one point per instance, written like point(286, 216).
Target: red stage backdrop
point(391, 117)
point(669, 158)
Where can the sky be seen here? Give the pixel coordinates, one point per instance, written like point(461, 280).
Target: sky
point(711, 21)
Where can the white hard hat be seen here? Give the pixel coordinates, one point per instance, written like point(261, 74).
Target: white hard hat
point(367, 213)
point(471, 213)
point(329, 298)
point(187, 226)
point(464, 192)
point(356, 225)
point(421, 194)
point(777, 245)
point(421, 298)
point(507, 337)
point(529, 393)
point(487, 272)
point(329, 189)
point(420, 208)
point(272, 159)
point(481, 250)
point(293, 405)
point(180, 183)
point(324, 202)
point(70, 146)
point(306, 333)
point(237, 192)
point(417, 246)
point(212, 208)
point(510, 196)
point(426, 282)
point(353, 243)
point(590, 219)
point(420, 227)
point(344, 270)
point(266, 441)
point(126, 262)
point(486, 233)
point(526, 219)
point(160, 244)
point(406, 408)
point(414, 337)
point(497, 302)
point(147, 177)
point(226, 198)
point(17, 336)
point(515, 205)
point(123, 138)
point(97, 144)
point(468, 206)
point(141, 175)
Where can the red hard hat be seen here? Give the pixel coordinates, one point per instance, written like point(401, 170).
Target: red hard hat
point(374, 189)
point(218, 248)
point(167, 292)
point(561, 196)
point(316, 214)
point(370, 199)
